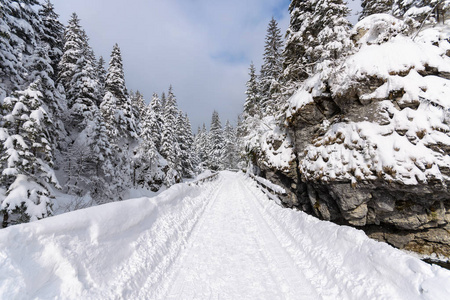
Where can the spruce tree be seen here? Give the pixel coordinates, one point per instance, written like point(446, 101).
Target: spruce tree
point(422, 11)
point(370, 7)
point(252, 105)
point(230, 144)
point(116, 106)
point(101, 75)
point(52, 35)
point(271, 68)
point(185, 142)
point(155, 119)
point(216, 144)
point(170, 149)
point(147, 156)
point(74, 44)
point(26, 157)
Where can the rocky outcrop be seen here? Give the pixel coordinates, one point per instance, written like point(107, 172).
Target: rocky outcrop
point(370, 149)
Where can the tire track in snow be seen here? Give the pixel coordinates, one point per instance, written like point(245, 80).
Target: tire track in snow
point(172, 272)
point(157, 249)
point(281, 260)
point(226, 258)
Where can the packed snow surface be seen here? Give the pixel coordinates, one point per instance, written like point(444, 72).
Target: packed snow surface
point(221, 240)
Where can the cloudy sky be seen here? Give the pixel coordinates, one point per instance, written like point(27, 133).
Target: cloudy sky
point(202, 47)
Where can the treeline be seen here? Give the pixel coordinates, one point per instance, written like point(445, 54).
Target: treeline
point(68, 123)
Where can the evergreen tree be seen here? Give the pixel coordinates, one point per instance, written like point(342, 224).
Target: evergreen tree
point(116, 106)
point(317, 40)
point(101, 75)
point(147, 156)
point(252, 106)
point(201, 146)
point(26, 157)
point(74, 44)
point(370, 7)
point(155, 119)
point(170, 149)
point(20, 29)
point(230, 151)
point(216, 144)
point(163, 100)
point(185, 141)
point(422, 11)
point(138, 104)
point(52, 35)
point(271, 68)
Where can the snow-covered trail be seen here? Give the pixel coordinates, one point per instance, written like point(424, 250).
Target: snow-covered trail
point(220, 240)
point(235, 255)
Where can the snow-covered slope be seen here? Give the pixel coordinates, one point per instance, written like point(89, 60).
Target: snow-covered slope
point(222, 239)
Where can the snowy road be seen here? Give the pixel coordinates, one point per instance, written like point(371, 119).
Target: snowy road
point(222, 240)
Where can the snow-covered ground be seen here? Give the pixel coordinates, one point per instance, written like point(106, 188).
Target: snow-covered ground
point(223, 239)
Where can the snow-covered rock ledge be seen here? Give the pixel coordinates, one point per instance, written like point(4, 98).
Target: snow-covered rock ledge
point(372, 148)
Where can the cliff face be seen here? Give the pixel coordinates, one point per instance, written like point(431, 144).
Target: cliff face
point(369, 145)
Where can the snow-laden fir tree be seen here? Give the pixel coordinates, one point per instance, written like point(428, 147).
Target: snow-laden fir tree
point(40, 71)
point(318, 38)
point(216, 145)
point(101, 76)
point(138, 105)
point(271, 68)
point(230, 148)
point(116, 106)
point(252, 105)
point(185, 141)
point(122, 128)
point(52, 35)
point(146, 156)
point(74, 44)
point(155, 119)
point(26, 157)
point(170, 149)
point(201, 146)
point(370, 7)
point(422, 11)
point(20, 30)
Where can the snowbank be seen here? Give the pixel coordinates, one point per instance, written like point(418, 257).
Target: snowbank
point(99, 252)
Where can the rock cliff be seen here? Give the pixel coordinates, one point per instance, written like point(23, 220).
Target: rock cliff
point(369, 145)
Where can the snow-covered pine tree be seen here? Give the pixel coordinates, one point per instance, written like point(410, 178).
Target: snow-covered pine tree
point(155, 119)
point(163, 100)
point(370, 7)
point(101, 75)
point(52, 35)
point(271, 68)
point(20, 28)
point(185, 141)
point(120, 121)
point(146, 158)
point(318, 38)
point(230, 142)
point(170, 149)
point(139, 106)
point(40, 71)
point(422, 11)
point(201, 146)
point(116, 106)
point(26, 157)
point(216, 144)
point(252, 105)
